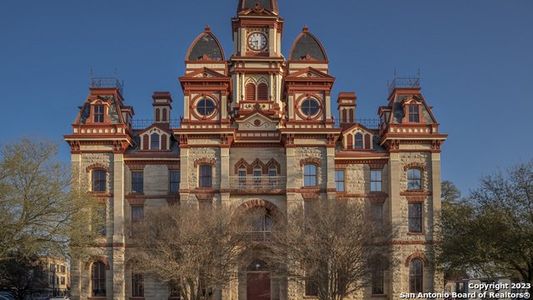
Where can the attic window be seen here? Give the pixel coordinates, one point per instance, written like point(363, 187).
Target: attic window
point(154, 141)
point(414, 113)
point(98, 114)
point(359, 142)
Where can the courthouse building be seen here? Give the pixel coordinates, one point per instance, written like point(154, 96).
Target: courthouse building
point(258, 130)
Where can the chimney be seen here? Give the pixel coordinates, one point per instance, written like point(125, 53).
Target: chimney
point(347, 102)
point(162, 103)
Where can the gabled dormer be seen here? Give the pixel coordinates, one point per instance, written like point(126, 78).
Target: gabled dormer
point(358, 137)
point(155, 138)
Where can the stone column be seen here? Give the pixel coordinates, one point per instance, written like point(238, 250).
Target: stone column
point(117, 264)
point(395, 219)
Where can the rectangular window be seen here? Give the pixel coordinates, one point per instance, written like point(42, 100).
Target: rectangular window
point(174, 181)
point(206, 176)
point(415, 217)
point(62, 280)
point(99, 180)
point(339, 180)
point(242, 178)
point(414, 179)
point(378, 279)
point(310, 174)
point(63, 269)
point(377, 213)
point(257, 177)
point(273, 173)
point(375, 180)
point(98, 114)
point(137, 285)
point(311, 286)
point(414, 114)
point(137, 182)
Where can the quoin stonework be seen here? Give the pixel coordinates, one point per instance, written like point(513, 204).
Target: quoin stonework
point(258, 131)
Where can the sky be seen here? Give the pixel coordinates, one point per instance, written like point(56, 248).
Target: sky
point(475, 59)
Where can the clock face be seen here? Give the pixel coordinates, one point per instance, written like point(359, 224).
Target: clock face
point(257, 41)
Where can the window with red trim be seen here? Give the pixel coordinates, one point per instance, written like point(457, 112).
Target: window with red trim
point(262, 91)
point(414, 113)
point(250, 92)
point(99, 113)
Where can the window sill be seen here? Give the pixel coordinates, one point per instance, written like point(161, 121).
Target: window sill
point(416, 233)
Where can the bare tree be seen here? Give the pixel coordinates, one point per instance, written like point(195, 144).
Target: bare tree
point(196, 251)
point(22, 275)
point(39, 213)
point(332, 247)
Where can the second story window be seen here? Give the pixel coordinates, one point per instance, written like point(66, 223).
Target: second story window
point(339, 180)
point(414, 179)
point(375, 180)
point(414, 113)
point(137, 182)
point(99, 180)
point(174, 181)
point(258, 172)
point(205, 177)
point(310, 175)
point(415, 217)
point(99, 114)
point(242, 177)
point(154, 141)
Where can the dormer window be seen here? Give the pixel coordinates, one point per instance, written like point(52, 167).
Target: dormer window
point(98, 114)
point(154, 141)
point(414, 113)
point(359, 141)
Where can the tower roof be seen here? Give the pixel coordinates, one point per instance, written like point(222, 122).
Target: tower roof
point(271, 5)
point(307, 47)
point(205, 47)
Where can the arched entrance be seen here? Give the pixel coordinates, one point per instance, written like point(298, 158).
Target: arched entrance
point(258, 281)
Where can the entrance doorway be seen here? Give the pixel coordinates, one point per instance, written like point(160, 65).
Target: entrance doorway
point(258, 281)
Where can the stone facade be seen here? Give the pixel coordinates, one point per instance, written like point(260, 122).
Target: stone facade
point(258, 130)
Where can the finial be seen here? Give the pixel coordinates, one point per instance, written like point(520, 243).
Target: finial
point(305, 29)
point(207, 28)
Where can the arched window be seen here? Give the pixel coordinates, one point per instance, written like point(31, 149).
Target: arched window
point(351, 115)
point(344, 119)
point(262, 91)
point(367, 141)
point(359, 143)
point(261, 224)
point(164, 117)
point(137, 284)
point(250, 92)
point(414, 179)
point(157, 115)
point(310, 175)
point(416, 275)
point(98, 279)
point(242, 177)
point(154, 141)
point(258, 172)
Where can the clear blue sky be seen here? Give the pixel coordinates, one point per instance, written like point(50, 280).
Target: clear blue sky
point(476, 59)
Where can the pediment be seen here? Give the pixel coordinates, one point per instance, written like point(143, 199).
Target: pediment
point(257, 121)
point(205, 73)
point(310, 73)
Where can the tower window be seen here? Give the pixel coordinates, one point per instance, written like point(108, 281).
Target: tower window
point(416, 274)
point(205, 107)
point(310, 175)
point(262, 91)
point(414, 113)
point(414, 179)
point(206, 176)
point(310, 107)
point(415, 217)
point(99, 181)
point(99, 114)
point(250, 92)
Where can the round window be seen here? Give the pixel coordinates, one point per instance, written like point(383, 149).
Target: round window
point(205, 107)
point(310, 107)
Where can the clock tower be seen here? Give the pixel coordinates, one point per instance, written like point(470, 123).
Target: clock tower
point(257, 65)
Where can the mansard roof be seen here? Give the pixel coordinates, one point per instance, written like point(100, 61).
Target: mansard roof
point(205, 47)
point(270, 5)
point(307, 47)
